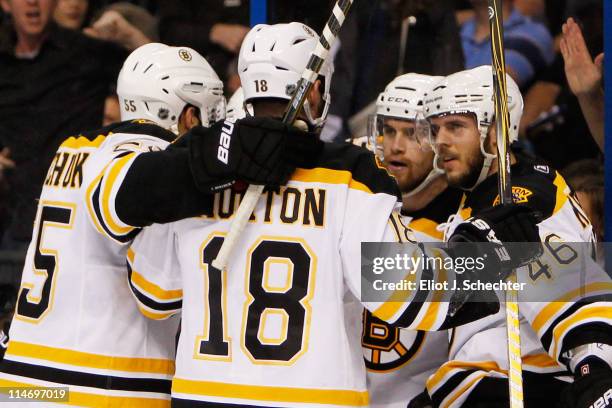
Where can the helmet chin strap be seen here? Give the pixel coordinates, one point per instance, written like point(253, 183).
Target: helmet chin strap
point(435, 172)
point(488, 159)
point(320, 121)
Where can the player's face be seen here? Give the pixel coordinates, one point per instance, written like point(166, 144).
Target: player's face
point(457, 141)
point(30, 17)
point(406, 159)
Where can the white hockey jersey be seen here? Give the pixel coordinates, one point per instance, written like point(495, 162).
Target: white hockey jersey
point(562, 293)
point(276, 328)
point(76, 323)
point(399, 361)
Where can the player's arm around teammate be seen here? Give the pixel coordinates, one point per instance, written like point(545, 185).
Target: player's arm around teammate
point(149, 183)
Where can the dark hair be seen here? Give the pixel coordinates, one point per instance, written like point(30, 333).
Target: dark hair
point(594, 187)
point(577, 172)
point(268, 104)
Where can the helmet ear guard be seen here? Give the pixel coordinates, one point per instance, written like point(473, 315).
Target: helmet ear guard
point(206, 96)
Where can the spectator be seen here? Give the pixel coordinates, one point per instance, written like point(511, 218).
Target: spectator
point(585, 78)
point(112, 111)
point(53, 83)
point(152, 6)
point(125, 24)
point(566, 136)
point(370, 53)
point(214, 28)
point(556, 12)
point(591, 193)
point(129, 26)
point(576, 173)
point(71, 13)
point(586, 178)
point(535, 9)
point(529, 46)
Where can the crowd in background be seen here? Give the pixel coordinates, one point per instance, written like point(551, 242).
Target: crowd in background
point(59, 60)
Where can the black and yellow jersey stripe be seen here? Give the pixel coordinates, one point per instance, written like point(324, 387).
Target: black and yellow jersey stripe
point(348, 164)
point(153, 301)
point(427, 220)
point(102, 191)
point(125, 381)
point(458, 381)
point(100, 196)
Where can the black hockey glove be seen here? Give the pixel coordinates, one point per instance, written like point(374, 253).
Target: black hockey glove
point(495, 227)
point(592, 386)
point(261, 151)
point(421, 401)
point(484, 237)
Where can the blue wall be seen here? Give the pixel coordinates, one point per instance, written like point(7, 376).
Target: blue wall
point(608, 127)
point(259, 12)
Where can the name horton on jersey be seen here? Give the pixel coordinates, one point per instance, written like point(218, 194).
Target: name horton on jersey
point(303, 206)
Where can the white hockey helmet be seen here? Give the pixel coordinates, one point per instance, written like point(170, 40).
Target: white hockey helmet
point(403, 99)
point(472, 92)
point(235, 106)
point(271, 62)
point(157, 81)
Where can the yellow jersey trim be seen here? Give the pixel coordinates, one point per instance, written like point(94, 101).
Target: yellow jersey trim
point(94, 400)
point(462, 390)
point(427, 227)
point(587, 312)
point(81, 141)
point(149, 287)
point(434, 307)
point(154, 315)
point(271, 394)
point(562, 193)
point(395, 302)
point(108, 186)
point(555, 306)
point(329, 176)
point(90, 360)
point(541, 360)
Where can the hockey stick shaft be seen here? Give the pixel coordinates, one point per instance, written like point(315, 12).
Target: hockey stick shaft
point(406, 24)
point(309, 76)
point(502, 120)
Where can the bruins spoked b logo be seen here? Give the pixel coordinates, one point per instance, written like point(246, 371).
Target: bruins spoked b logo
point(184, 54)
point(386, 348)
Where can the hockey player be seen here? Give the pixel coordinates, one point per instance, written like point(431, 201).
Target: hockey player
point(76, 323)
point(567, 331)
point(399, 361)
point(273, 329)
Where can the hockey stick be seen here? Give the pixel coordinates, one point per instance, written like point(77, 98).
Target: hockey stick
point(406, 24)
point(309, 76)
point(502, 120)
